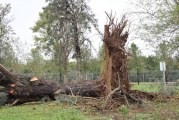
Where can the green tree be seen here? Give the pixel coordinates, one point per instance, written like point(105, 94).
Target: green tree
point(35, 63)
point(151, 63)
point(63, 26)
point(86, 57)
point(95, 66)
point(136, 62)
point(176, 64)
point(7, 54)
point(158, 22)
point(165, 53)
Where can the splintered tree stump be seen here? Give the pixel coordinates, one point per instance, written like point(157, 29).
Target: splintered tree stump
point(115, 69)
point(115, 76)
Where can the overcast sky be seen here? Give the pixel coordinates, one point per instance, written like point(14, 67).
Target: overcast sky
point(26, 12)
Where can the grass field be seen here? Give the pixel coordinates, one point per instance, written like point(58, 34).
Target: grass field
point(160, 109)
point(157, 88)
point(45, 111)
point(147, 87)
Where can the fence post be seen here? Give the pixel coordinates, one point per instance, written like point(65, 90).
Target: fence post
point(143, 77)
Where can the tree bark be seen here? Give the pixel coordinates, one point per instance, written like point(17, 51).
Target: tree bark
point(8, 74)
point(107, 73)
point(115, 69)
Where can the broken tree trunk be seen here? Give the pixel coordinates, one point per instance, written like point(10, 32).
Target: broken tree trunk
point(115, 70)
point(10, 77)
point(27, 89)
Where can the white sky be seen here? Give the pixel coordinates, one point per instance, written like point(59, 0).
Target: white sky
point(26, 12)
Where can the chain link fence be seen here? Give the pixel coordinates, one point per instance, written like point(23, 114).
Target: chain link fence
point(146, 76)
point(154, 76)
point(71, 76)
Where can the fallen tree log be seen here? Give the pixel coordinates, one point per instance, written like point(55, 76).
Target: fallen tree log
point(34, 90)
point(26, 89)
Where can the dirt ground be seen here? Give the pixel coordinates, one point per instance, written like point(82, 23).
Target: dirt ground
point(159, 109)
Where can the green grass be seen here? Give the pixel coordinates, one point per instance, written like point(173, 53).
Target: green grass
point(156, 88)
point(160, 111)
point(156, 110)
point(47, 111)
point(147, 87)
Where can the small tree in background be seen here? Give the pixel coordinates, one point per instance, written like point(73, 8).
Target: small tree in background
point(7, 53)
point(136, 62)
